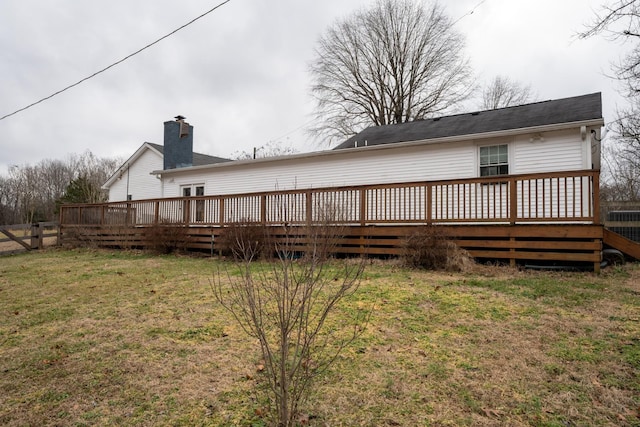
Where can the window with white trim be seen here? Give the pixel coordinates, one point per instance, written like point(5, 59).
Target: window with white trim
point(192, 190)
point(494, 160)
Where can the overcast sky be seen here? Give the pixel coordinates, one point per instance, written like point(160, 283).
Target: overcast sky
point(239, 75)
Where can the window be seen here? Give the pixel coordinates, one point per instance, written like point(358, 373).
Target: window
point(129, 197)
point(494, 160)
point(192, 190)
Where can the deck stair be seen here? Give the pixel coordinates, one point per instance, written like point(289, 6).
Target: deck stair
point(621, 243)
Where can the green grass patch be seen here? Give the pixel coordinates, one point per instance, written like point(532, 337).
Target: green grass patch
point(565, 290)
point(128, 338)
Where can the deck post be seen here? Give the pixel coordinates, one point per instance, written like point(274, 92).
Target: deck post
point(363, 207)
point(156, 212)
point(513, 201)
point(186, 216)
point(308, 203)
point(221, 216)
point(263, 209)
point(429, 204)
point(596, 197)
point(308, 207)
point(597, 254)
point(512, 252)
point(363, 218)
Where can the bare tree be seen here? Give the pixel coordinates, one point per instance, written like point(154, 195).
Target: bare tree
point(8, 201)
point(620, 20)
point(94, 172)
point(503, 92)
point(288, 307)
point(28, 196)
point(620, 180)
point(395, 62)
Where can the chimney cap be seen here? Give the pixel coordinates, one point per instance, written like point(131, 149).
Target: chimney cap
point(179, 117)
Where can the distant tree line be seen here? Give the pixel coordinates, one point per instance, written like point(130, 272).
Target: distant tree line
point(32, 193)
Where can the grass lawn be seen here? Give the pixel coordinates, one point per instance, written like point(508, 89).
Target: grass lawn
point(122, 338)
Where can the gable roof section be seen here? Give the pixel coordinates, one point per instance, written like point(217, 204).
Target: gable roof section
point(567, 110)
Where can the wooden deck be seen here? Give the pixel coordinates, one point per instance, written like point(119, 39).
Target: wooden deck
point(552, 217)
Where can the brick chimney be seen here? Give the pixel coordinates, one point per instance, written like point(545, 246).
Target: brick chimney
point(178, 144)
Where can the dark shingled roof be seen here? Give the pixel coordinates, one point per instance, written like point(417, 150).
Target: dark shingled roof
point(198, 158)
point(566, 110)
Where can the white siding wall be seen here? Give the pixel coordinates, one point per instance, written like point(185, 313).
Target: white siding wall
point(560, 150)
point(428, 162)
point(142, 185)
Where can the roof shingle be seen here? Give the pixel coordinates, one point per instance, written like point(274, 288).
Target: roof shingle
point(566, 110)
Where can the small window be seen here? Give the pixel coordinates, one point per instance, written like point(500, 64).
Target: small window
point(186, 192)
point(494, 160)
point(129, 197)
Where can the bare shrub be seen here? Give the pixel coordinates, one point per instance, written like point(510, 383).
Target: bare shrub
point(245, 240)
point(79, 237)
point(165, 238)
point(430, 247)
point(288, 306)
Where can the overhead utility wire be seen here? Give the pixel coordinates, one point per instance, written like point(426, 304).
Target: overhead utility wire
point(468, 13)
point(117, 62)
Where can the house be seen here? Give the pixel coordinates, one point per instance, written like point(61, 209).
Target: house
point(548, 136)
point(133, 179)
point(518, 183)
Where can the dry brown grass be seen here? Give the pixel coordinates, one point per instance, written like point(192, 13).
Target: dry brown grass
point(125, 338)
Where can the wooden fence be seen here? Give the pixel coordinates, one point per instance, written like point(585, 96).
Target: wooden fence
point(28, 236)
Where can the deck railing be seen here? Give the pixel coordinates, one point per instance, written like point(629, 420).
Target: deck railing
point(569, 197)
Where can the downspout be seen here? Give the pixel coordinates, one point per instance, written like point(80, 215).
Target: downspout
point(127, 195)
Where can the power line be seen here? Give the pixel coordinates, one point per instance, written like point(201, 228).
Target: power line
point(470, 12)
point(117, 62)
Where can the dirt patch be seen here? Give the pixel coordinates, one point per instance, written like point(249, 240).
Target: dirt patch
point(12, 247)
